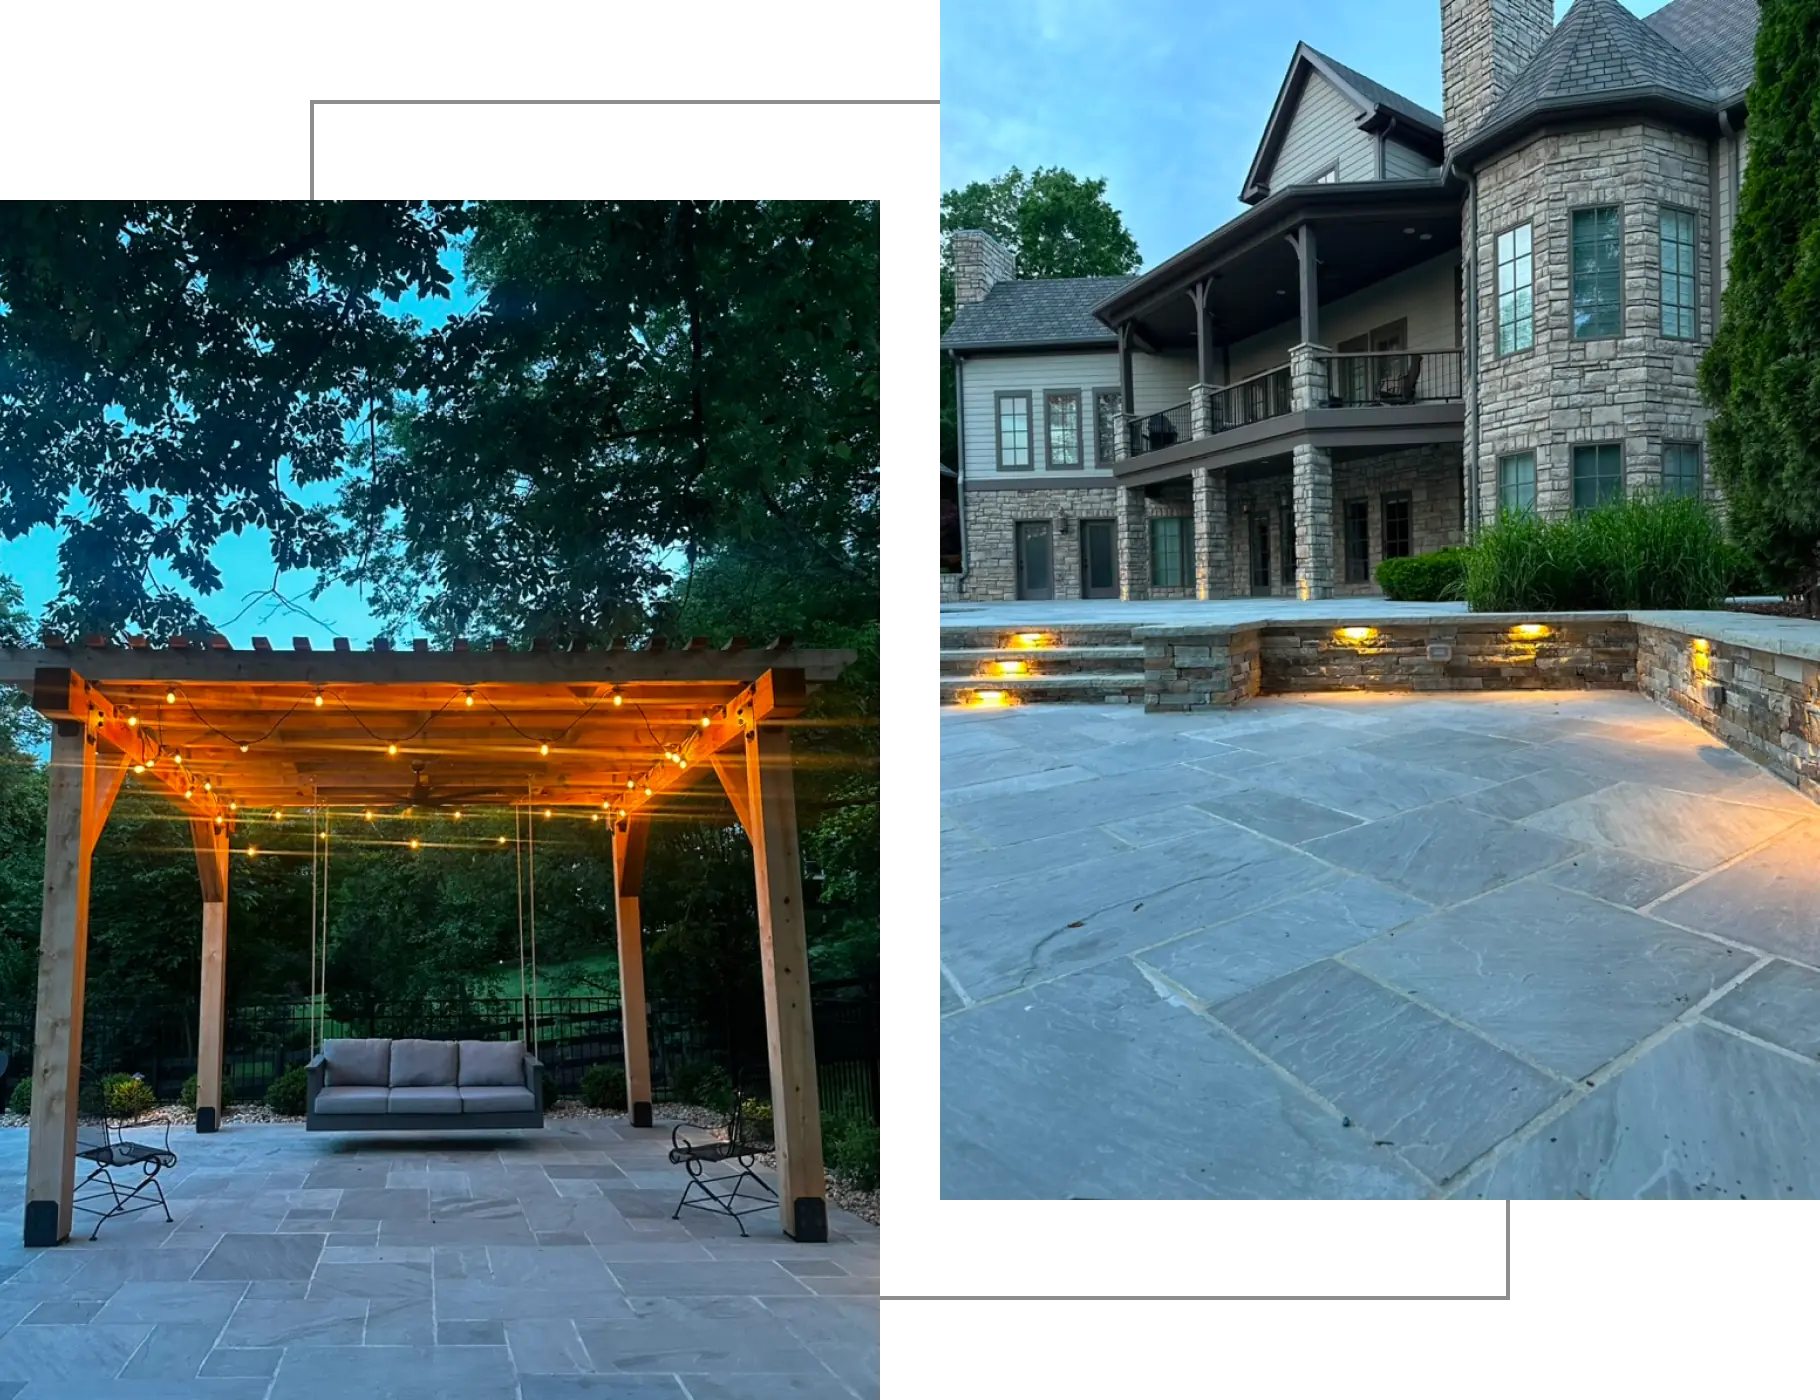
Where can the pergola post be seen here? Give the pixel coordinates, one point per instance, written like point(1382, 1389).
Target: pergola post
point(628, 880)
point(72, 825)
point(212, 866)
point(789, 1017)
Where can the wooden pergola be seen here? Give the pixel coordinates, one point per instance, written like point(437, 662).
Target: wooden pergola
point(227, 733)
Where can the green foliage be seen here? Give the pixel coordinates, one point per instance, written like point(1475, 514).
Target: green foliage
point(1054, 224)
point(1649, 553)
point(127, 1095)
point(604, 1086)
point(705, 1084)
point(1438, 576)
point(187, 1095)
point(760, 1123)
point(1762, 374)
point(289, 1092)
point(20, 1100)
point(850, 1148)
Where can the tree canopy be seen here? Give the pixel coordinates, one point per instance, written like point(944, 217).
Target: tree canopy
point(1762, 374)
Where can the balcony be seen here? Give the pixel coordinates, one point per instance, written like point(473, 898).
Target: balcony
point(1389, 377)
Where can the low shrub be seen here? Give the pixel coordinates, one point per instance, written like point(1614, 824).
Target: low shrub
point(702, 1083)
point(187, 1096)
point(1435, 577)
point(20, 1100)
point(850, 1148)
point(1655, 552)
point(287, 1093)
point(127, 1095)
point(552, 1091)
point(604, 1086)
point(761, 1126)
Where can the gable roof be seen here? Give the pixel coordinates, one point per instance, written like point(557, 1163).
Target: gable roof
point(1031, 313)
point(1376, 104)
point(1601, 57)
point(1719, 35)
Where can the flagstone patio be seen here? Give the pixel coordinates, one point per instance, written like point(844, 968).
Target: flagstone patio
point(510, 1266)
point(1533, 944)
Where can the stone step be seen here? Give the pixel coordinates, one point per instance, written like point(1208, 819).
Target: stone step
point(1095, 634)
point(1099, 688)
point(1048, 661)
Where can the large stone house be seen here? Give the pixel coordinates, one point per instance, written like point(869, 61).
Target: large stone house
point(1420, 320)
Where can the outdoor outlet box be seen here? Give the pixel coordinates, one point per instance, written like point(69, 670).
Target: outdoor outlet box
point(1712, 694)
point(1440, 651)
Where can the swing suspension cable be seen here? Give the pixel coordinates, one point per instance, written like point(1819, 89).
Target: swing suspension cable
point(519, 860)
point(315, 847)
point(531, 862)
point(321, 998)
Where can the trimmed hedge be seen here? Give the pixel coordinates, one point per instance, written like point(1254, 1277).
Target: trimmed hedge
point(288, 1093)
point(850, 1148)
point(1436, 577)
point(20, 1100)
point(604, 1086)
point(127, 1095)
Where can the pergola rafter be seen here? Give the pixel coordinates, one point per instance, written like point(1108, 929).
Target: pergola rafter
point(229, 733)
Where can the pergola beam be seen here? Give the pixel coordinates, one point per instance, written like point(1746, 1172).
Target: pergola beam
point(778, 694)
point(60, 694)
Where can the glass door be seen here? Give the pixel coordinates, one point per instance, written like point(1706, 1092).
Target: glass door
point(1260, 553)
point(1099, 561)
point(1034, 560)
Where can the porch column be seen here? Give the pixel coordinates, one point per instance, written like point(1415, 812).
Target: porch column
point(1303, 240)
point(1212, 542)
point(789, 1015)
point(212, 866)
point(70, 830)
point(1203, 331)
point(1312, 485)
point(1200, 410)
point(629, 839)
point(1133, 544)
point(1127, 414)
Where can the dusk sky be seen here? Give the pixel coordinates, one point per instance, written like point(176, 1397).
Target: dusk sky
point(1167, 99)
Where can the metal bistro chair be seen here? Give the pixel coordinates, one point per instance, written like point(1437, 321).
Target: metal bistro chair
point(722, 1193)
point(1400, 387)
point(101, 1140)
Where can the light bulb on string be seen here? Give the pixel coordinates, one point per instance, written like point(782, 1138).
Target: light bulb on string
point(151, 762)
point(243, 748)
point(179, 759)
point(277, 814)
point(207, 786)
point(233, 806)
point(369, 814)
point(458, 814)
point(468, 697)
point(704, 721)
point(416, 844)
point(139, 768)
point(170, 697)
point(392, 750)
point(618, 699)
point(132, 721)
point(546, 814)
point(544, 749)
point(647, 789)
point(319, 699)
point(251, 852)
point(501, 840)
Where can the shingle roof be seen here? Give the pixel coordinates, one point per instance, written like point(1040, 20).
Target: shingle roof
point(1719, 35)
point(1378, 93)
point(1601, 48)
point(1049, 311)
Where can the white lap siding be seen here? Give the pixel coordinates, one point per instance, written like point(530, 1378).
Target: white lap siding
point(1158, 382)
point(1324, 133)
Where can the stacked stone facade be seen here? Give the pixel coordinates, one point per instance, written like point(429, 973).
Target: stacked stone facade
point(1639, 388)
point(992, 518)
point(1484, 45)
point(1429, 473)
point(1480, 653)
point(980, 263)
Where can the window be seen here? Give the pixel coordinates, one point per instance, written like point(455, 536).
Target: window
point(1062, 414)
point(1169, 561)
point(1287, 535)
point(1358, 541)
point(1598, 474)
point(1105, 405)
point(1329, 176)
point(1396, 527)
point(1678, 273)
point(1260, 551)
point(1516, 304)
point(1013, 432)
point(1517, 483)
point(1681, 469)
point(1598, 280)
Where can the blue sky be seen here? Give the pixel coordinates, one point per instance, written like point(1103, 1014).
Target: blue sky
point(245, 560)
point(1165, 98)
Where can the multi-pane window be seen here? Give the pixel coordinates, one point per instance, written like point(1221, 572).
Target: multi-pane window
point(1678, 271)
point(1397, 533)
point(1516, 291)
point(1681, 469)
point(1014, 432)
point(1105, 406)
point(1062, 413)
point(1170, 566)
point(1517, 483)
point(1358, 541)
point(1598, 280)
point(1598, 474)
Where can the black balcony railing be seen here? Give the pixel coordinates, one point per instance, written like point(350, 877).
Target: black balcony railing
point(1252, 400)
point(1161, 429)
point(1355, 380)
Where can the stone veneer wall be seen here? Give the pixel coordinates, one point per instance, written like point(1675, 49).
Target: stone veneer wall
point(951, 587)
point(1200, 671)
point(1449, 655)
point(1484, 45)
point(1639, 387)
point(1432, 475)
point(992, 539)
point(1244, 500)
point(1765, 705)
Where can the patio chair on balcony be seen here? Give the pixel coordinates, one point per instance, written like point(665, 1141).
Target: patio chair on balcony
point(1159, 432)
point(124, 1174)
point(1401, 388)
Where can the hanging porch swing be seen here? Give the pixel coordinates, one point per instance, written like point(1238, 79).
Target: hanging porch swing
point(383, 1085)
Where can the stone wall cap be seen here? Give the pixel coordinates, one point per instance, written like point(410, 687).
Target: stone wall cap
point(1783, 636)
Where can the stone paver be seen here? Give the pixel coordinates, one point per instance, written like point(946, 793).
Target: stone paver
point(442, 1268)
point(1417, 929)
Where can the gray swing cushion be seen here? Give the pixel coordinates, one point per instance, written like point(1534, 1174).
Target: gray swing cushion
point(419, 1064)
point(441, 1098)
point(496, 1098)
point(352, 1062)
point(354, 1098)
point(492, 1063)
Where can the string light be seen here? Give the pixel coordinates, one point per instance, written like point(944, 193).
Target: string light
point(132, 721)
point(594, 816)
point(704, 721)
point(207, 786)
point(170, 697)
point(243, 748)
point(546, 814)
point(319, 699)
point(369, 814)
point(251, 852)
point(392, 750)
point(468, 696)
point(139, 768)
point(277, 815)
point(647, 789)
point(233, 806)
point(188, 793)
point(416, 844)
point(151, 763)
point(180, 760)
point(544, 749)
point(501, 840)
point(630, 785)
point(618, 699)
point(458, 814)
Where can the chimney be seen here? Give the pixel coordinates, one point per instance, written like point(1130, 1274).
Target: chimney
point(980, 264)
point(1484, 45)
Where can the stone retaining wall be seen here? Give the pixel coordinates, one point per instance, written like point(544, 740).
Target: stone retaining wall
point(1765, 705)
point(1450, 656)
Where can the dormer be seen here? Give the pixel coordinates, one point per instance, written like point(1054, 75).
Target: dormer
point(1332, 125)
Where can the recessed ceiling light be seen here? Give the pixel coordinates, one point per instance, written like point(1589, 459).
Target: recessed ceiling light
point(1425, 237)
point(1409, 230)
point(1281, 292)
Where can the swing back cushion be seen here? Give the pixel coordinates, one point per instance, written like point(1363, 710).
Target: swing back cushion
point(423, 1064)
point(358, 1062)
point(492, 1063)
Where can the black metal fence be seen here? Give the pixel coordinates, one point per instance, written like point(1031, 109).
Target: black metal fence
point(572, 1033)
point(1161, 429)
point(1390, 377)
